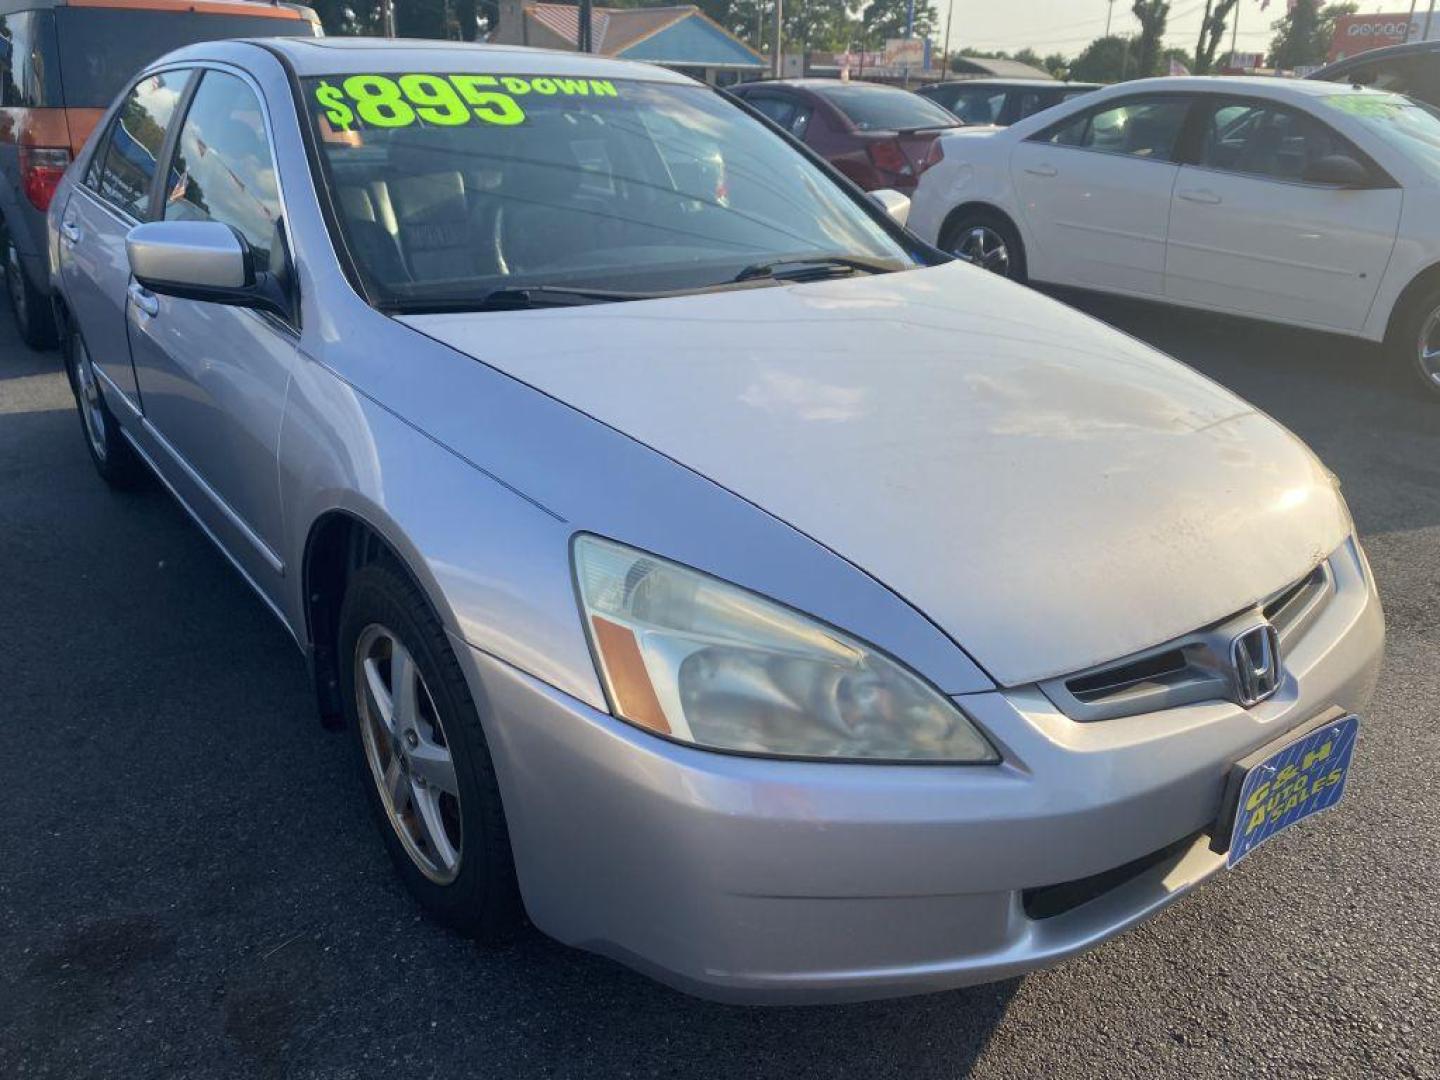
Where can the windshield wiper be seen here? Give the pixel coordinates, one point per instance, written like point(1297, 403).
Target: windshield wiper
point(517, 298)
point(812, 267)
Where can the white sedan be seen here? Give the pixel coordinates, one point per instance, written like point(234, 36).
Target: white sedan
point(1299, 202)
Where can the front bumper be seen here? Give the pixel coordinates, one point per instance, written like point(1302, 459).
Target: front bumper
point(770, 881)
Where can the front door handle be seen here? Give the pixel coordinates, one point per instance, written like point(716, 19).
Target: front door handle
point(1042, 170)
point(70, 232)
point(144, 299)
point(1205, 198)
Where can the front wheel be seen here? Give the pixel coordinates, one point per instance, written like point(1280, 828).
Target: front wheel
point(1416, 340)
point(989, 241)
point(423, 755)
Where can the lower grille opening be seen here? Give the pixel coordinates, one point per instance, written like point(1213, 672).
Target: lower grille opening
point(1047, 901)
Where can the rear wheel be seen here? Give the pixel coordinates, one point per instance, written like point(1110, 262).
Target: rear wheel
point(426, 765)
point(33, 317)
point(987, 240)
point(115, 459)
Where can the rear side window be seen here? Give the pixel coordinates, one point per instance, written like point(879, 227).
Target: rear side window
point(136, 136)
point(102, 48)
point(979, 106)
point(1145, 128)
point(223, 168)
point(28, 75)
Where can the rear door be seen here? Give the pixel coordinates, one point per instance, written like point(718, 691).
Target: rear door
point(112, 197)
point(214, 378)
point(1094, 190)
point(1250, 235)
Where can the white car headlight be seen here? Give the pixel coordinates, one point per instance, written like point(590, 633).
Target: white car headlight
point(704, 662)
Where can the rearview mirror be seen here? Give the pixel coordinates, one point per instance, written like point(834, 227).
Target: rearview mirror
point(894, 204)
point(202, 260)
point(1337, 170)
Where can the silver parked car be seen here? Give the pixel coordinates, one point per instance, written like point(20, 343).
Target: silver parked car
point(701, 563)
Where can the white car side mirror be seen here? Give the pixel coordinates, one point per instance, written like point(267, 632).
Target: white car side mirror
point(894, 204)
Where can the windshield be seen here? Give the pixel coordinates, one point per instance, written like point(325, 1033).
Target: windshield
point(885, 108)
point(450, 187)
point(101, 48)
point(1409, 126)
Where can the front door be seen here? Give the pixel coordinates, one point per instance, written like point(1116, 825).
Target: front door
point(214, 378)
point(1095, 190)
point(1250, 234)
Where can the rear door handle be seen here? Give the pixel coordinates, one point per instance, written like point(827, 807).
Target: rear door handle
point(1205, 198)
point(144, 299)
point(1042, 170)
point(70, 232)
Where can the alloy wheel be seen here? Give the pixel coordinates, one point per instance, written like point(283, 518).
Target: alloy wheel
point(1428, 348)
point(92, 409)
point(984, 247)
point(408, 753)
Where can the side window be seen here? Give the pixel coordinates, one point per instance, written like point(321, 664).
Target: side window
point(135, 138)
point(223, 168)
point(1266, 140)
point(1145, 128)
point(979, 106)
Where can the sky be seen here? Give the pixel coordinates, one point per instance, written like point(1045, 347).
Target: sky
point(1067, 26)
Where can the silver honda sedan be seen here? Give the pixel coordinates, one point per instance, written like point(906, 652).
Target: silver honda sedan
point(703, 567)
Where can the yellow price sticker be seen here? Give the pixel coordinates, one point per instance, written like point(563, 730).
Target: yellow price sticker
point(384, 101)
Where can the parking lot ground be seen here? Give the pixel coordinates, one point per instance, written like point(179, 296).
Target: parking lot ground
point(190, 886)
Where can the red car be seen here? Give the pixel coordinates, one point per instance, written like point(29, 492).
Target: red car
point(876, 135)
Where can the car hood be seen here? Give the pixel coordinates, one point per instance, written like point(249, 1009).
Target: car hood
point(1050, 492)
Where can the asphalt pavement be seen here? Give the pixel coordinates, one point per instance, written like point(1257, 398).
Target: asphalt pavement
point(190, 885)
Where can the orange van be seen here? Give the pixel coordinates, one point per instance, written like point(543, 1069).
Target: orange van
point(61, 64)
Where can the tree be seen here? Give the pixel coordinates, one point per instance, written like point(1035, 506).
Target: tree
point(885, 19)
point(1105, 60)
point(1179, 55)
point(1153, 15)
point(1212, 33)
point(1057, 65)
point(1303, 35)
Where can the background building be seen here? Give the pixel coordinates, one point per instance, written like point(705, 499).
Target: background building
point(679, 37)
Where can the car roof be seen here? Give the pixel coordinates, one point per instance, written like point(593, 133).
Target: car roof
point(1410, 48)
point(1023, 84)
point(353, 55)
point(1240, 85)
point(208, 7)
point(815, 84)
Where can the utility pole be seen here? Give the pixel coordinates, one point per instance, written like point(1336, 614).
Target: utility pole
point(1234, 35)
point(1109, 14)
point(387, 18)
point(949, 19)
point(1429, 14)
point(1410, 22)
point(779, 39)
point(585, 42)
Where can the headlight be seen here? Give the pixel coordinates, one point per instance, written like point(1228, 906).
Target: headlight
point(693, 658)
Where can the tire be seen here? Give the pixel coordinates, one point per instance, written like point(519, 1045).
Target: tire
point(34, 317)
point(114, 458)
point(407, 793)
point(1415, 338)
point(989, 240)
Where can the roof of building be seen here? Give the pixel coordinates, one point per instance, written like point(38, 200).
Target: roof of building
point(681, 34)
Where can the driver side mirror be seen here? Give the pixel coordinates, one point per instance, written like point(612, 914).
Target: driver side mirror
point(1337, 170)
point(203, 260)
point(894, 204)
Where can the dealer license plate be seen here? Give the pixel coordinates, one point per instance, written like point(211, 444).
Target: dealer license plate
point(1301, 778)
